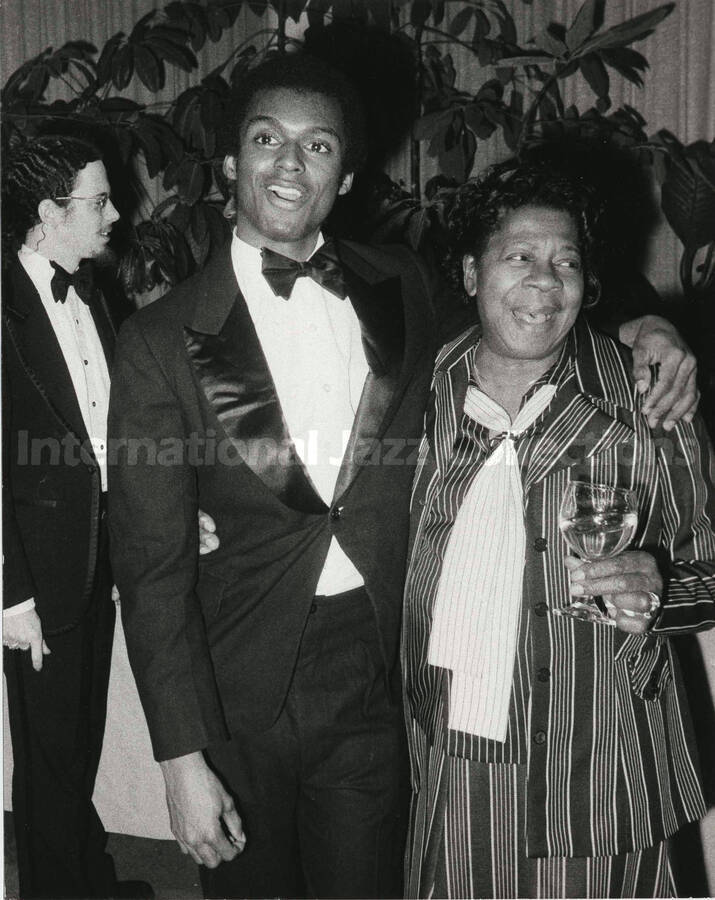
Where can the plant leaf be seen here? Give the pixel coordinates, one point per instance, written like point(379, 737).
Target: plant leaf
point(123, 66)
point(420, 11)
point(149, 69)
point(198, 25)
point(626, 61)
point(104, 63)
point(190, 180)
point(431, 123)
point(199, 225)
point(544, 60)
point(152, 151)
point(688, 200)
point(211, 110)
point(595, 74)
point(460, 21)
point(550, 44)
point(119, 105)
point(507, 27)
point(482, 25)
point(142, 26)
point(174, 53)
point(585, 23)
point(171, 146)
point(635, 29)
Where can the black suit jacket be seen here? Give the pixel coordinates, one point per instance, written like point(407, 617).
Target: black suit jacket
point(213, 639)
point(51, 481)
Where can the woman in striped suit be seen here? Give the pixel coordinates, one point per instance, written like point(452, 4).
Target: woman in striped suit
point(551, 757)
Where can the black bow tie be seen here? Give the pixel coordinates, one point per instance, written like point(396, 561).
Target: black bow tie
point(82, 280)
point(323, 266)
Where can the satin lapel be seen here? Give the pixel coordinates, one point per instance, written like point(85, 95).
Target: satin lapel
point(233, 373)
point(377, 301)
point(38, 348)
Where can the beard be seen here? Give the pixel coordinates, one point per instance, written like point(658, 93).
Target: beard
point(105, 259)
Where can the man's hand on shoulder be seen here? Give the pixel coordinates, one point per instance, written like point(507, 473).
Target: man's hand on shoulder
point(24, 632)
point(203, 816)
point(673, 390)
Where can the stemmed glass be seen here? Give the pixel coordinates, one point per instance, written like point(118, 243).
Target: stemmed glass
point(597, 522)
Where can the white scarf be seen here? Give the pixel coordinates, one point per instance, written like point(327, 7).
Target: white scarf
point(476, 613)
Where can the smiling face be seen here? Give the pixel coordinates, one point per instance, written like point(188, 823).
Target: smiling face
point(289, 169)
point(81, 229)
point(528, 284)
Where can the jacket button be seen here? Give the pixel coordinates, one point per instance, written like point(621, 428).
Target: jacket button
point(544, 674)
point(336, 513)
point(540, 544)
point(540, 737)
point(541, 609)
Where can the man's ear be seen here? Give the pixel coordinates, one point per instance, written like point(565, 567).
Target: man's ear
point(229, 168)
point(49, 212)
point(469, 269)
point(345, 184)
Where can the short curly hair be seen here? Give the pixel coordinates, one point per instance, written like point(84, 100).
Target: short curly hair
point(479, 206)
point(42, 168)
point(306, 74)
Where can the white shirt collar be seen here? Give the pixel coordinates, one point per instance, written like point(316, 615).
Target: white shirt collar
point(36, 265)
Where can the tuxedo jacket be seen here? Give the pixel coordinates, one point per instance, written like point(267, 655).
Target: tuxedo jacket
point(607, 734)
point(196, 423)
point(51, 480)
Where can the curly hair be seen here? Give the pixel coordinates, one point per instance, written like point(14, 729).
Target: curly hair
point(480, 205)
point(306, 74)
point(39, 169)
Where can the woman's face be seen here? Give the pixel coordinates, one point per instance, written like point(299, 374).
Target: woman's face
point(528, 283)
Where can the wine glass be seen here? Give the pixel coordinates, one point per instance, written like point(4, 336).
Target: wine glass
point(597, 521)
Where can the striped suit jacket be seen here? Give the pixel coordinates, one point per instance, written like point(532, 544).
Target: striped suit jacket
point(606, 731)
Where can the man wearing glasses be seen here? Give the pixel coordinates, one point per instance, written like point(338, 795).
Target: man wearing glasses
point(57, 344)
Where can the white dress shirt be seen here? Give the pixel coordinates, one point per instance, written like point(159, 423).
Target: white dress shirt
point(314, 352)
point(81, 347)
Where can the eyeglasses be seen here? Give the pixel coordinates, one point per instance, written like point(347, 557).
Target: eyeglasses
point(100, 200)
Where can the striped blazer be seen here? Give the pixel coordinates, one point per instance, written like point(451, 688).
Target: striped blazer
point(607, 737)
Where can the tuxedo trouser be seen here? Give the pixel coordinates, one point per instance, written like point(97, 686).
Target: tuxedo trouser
point(324, 793)
point(57, 719)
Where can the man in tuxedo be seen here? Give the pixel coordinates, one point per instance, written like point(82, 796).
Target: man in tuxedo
point(283, 390)
point(267, 668)
point(58, 615)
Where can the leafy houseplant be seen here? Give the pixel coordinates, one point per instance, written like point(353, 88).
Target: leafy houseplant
point(688, 199)
point(179, 143)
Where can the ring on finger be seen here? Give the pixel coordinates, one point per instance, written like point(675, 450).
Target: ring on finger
point(654, 604)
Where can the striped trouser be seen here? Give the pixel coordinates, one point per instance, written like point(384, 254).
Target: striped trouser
point(467, 839)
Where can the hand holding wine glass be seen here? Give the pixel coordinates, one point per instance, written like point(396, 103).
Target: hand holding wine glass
point(598, 521)
point(630, 584)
